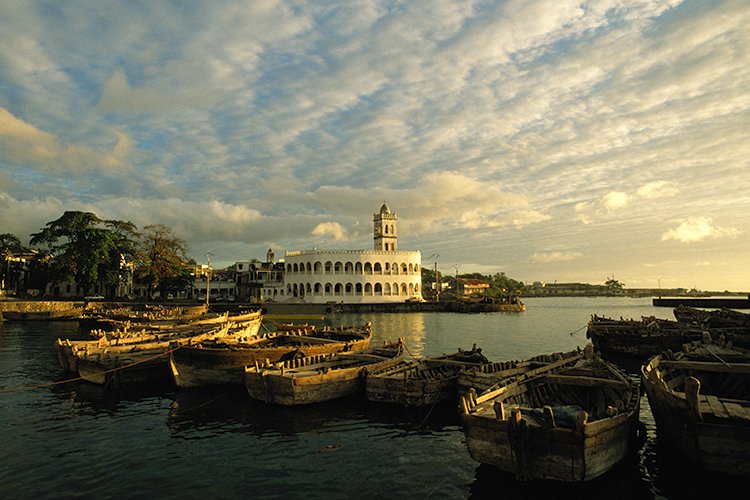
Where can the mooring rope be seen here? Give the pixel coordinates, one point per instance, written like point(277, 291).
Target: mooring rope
point(112, 370)
point(576, 331)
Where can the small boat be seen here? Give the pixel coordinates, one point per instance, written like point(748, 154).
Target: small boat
point(68, 351)
point(293, 327)
point(641, 339)
point(314, 379)
point(71, 314)
point(139, 363)
point(718, 318)
point(422, 382)
point(570, 420)
point(224, 361)
point(482, 377)
point(700, 399)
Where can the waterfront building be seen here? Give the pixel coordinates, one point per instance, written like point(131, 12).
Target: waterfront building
point(384, 274)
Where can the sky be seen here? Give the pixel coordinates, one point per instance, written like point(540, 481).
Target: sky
point(552, 140)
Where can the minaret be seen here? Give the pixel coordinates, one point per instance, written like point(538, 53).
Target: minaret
point(269, 256)
point(385, 230)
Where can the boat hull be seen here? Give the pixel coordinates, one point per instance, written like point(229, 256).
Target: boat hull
point(197, 366)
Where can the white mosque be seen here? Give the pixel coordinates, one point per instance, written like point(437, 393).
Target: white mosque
point(384, 274)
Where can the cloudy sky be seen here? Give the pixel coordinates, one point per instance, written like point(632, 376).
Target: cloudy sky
point(551, 140)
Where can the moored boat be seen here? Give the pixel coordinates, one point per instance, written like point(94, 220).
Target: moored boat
point(641, 339)
point(421, 382)
point(570, 420)
point(314, 379)
point(224, 361)
point(121, 365)
point(483, 376)
point(243, 324)
point(700, 399)
point(718, 318)
point(71, 314)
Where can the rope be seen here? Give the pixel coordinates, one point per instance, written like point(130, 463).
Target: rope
point(25, 362)
point(576, 331)
point(112, 370)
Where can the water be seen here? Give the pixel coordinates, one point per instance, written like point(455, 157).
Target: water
point(72, 440)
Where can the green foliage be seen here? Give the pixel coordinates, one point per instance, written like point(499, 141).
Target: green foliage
point(86, 248)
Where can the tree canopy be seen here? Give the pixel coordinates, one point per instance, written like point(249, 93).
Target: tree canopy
point(162, 259)
point(86, 248)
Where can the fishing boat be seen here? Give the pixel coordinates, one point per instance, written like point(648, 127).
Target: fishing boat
point(483, 376)
point(700, 399)
point(224, 361)
point(569, 420)
point(314, 379)
point(718, 318)
point(293, 327)
point(422, 382)
point(124, 365)
point(71, 314)
point(641, 339)
point(69, 351)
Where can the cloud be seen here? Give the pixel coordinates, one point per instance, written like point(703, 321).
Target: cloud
point(330, 229)
point(24, 144)
point(547, 257)
point(611, 204)
point(698, 229)
point(614, 200)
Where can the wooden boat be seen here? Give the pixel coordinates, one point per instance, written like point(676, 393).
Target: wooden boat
point(224, 361)
point(700, 399)
point(242, 324)
point(570, 420)
point(422, 382)
point(315, 379)
point(641, 339)
point(139, 363)
point(482, 377)
point(71, 314)
point(293, 327)
point(718, 318)
point(110, 318)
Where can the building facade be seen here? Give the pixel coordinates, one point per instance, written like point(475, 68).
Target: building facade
point(384, 274)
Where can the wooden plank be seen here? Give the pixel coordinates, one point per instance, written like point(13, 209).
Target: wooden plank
point(737, 411)
point(708, 366)
point(717, 408)
point(583, 381)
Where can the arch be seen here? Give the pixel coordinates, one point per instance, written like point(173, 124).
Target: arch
point(395, 289)
point(328, 266)
point(411, 268)
point(358, 268)
point(404, 268)
point(328, 289)
point(358, 288)
point(338, 267)
point(368, 268)
point(348, 289)
point(348, 268)
point(411, 289)
point(289, 268)
point(416, 268)
point(378, 288)
point(318, 268)
point(308, 288)
point(308, 268)
point(368, 289)
point(377, 268)
point(289, 289)
point(338, 289)
point(318, 289)
point(387, 289)
point(403, 289)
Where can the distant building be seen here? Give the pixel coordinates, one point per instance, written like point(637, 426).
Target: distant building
point(469, 287)
point(384, 274)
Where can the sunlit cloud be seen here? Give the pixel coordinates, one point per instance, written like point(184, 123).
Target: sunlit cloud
point(547, 257)
point(330, 229)
point(698, 229)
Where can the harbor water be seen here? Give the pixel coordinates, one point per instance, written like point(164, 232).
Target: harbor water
point(73, 440)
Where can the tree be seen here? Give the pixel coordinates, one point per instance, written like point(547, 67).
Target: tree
point(163, 260)
point(9, 244)
point(86, 248)
point(613, 284)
